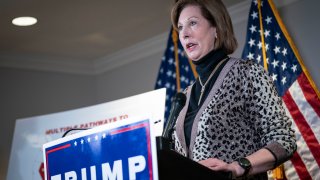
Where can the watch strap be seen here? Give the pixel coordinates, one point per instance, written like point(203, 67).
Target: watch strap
point(245, 164)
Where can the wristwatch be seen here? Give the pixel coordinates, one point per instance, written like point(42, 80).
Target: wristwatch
point(245, 164)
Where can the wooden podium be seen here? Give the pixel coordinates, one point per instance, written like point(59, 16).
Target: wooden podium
point(173, 166)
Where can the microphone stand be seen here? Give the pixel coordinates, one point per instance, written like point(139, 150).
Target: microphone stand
point(165, 141)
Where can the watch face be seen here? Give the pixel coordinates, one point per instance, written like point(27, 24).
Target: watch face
point(245, 163)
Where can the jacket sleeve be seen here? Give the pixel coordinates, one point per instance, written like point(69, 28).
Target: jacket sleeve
point(271, 120)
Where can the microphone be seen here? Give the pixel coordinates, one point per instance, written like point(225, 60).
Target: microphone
point(178, 103)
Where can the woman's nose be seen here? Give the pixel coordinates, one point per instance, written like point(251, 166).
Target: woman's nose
point(185, 33)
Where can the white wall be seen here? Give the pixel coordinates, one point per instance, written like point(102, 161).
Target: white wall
point(131, 79)
point(27, 93)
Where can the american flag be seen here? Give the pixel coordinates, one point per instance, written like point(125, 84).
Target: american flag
point(269, 44)
point(176, 70)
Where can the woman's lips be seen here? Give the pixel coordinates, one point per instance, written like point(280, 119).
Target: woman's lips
point(190, 46)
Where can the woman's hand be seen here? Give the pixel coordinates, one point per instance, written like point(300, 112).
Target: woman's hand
point(218, 165)
point(261, 161)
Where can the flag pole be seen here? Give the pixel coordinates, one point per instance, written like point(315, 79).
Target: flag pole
point(265, 65)
point(176, 57)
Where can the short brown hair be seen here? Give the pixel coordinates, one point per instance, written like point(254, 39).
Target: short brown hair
point(217, 15)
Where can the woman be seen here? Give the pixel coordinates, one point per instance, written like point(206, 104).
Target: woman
point(233, 119)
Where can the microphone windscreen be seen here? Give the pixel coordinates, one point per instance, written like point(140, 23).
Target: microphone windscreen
point(180, 98)
point(178, 102)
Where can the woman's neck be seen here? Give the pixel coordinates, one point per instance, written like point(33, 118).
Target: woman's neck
point(207, 63)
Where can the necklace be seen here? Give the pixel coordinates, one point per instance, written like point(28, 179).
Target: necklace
point(203, 86)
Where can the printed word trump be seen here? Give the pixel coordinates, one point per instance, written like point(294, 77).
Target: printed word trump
point(135, 164)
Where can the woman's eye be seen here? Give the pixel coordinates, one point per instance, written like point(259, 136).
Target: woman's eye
point(179, 28)
point(193, 23)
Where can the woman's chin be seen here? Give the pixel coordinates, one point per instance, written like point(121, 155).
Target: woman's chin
point(194, 57)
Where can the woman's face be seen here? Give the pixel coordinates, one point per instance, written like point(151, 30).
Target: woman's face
point(196, 34)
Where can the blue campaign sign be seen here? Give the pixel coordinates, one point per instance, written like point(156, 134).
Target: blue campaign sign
point(123, 152)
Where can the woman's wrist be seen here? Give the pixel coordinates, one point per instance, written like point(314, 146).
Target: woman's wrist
point(237, 170)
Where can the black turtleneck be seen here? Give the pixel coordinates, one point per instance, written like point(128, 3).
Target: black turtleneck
point(204, 67)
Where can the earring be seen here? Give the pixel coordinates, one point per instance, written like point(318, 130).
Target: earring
point(216, 36)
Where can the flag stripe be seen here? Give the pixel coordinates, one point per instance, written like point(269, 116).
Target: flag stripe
point(305, 108)
point(300, 167)
point(290, 171)
point(309, 93)
point(303, 126)
point(304, 154)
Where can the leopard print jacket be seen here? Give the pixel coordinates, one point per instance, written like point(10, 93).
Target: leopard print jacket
point(242, 114)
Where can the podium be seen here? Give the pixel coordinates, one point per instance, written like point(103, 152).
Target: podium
point(172, 165)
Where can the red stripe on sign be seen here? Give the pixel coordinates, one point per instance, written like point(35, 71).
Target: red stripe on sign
point(303, 126)
point(149, 152)
point(309, 93)
point(127, 129)
point(58, 148)
point(300, 167)
point(53, 150)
